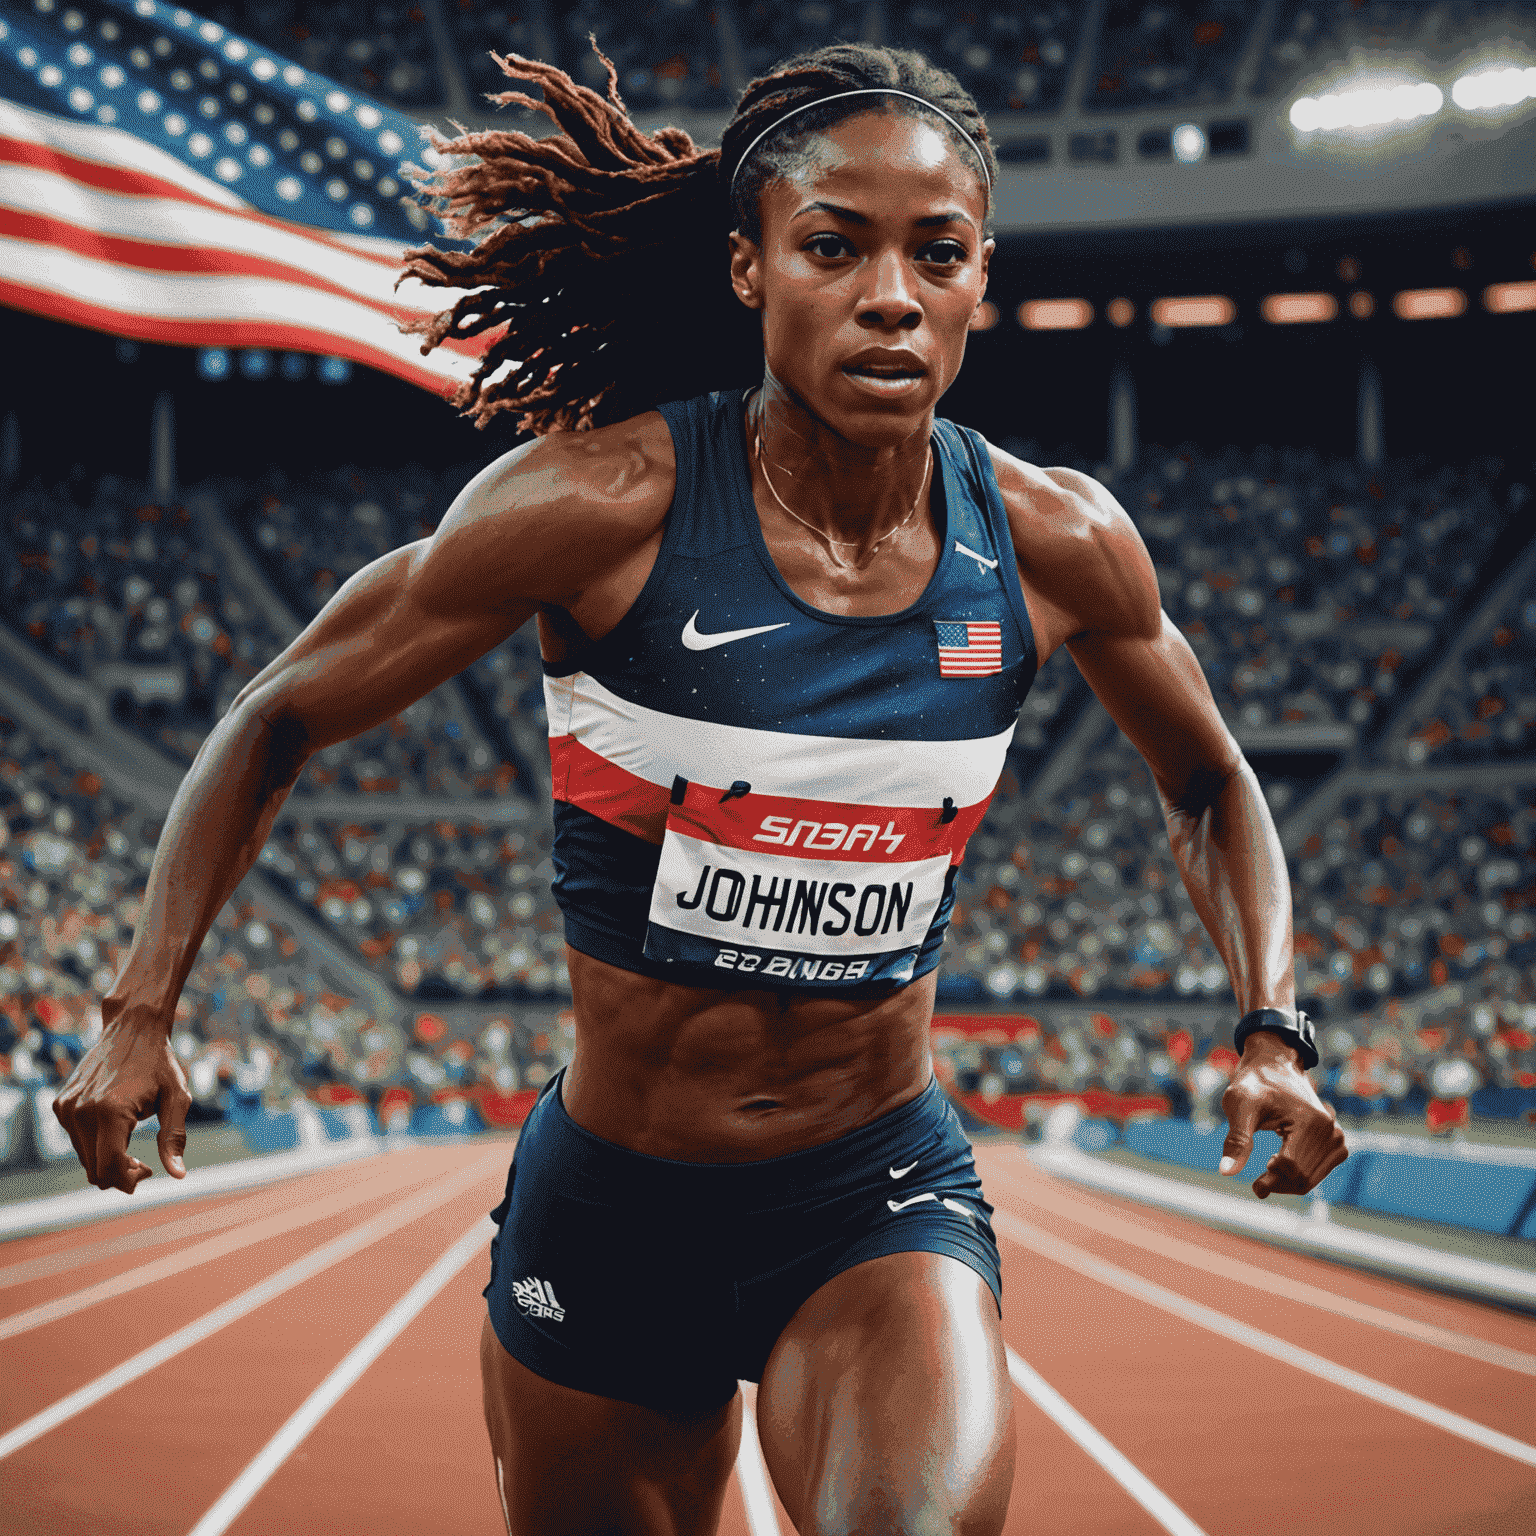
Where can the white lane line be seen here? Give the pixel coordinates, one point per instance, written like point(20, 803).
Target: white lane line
point(1211, 1262)
point(176, 1230)
point(752, 1473)
point(50, 1212)
point(1069, 1254)
point(330, 1391)
point(226, 1243)
point(297, 1273)
point(1130, 1477)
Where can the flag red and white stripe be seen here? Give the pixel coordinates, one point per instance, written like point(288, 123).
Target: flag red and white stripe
point(101, 229)
point(969, 648)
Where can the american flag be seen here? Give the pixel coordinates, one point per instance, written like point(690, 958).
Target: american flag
point(968, 648)
point(165, 180)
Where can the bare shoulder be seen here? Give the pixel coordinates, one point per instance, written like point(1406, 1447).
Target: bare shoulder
point(563, 510)
point(1077, 547)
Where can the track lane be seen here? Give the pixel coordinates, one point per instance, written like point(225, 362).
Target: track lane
point(200, 1416)
point(1480, 1390)
point(1239, 1441)
point(44, 1365)
point(1495, 1325)
point(114, 1279)
point(198, 1217)
point(1045, 1203)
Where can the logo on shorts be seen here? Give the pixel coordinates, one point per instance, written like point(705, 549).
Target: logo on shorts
point(537, 1299)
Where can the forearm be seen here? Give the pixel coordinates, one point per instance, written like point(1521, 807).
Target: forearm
point(1228, 853)
point(218, 822)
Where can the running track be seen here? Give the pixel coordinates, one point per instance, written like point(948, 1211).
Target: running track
point(303, 1358)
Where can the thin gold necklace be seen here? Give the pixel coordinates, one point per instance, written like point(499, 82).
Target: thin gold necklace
point(841, 543)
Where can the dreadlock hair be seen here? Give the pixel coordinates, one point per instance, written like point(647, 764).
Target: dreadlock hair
point(599, 253)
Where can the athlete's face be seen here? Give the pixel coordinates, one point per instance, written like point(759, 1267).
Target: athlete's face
point(875, 246)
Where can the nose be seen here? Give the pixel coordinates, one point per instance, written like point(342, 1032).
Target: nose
point(889, 302)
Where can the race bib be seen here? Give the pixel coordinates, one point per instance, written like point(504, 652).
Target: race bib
point(793, 892)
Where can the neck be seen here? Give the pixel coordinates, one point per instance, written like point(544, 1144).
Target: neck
point(852, 492)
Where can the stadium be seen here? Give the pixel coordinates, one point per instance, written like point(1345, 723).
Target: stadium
point(1266, 272)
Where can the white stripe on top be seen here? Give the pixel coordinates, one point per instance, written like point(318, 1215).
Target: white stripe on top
point(656, 747)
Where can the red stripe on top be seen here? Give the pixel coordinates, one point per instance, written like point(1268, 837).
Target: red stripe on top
point(219, 333)
point(116, 178)
point(584, 779)
point(789, 827)
point(613, 794)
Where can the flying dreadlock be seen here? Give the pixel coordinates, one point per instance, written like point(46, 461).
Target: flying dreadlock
point(600, 263)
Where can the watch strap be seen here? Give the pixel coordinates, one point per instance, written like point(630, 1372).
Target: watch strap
point(1296, 1030)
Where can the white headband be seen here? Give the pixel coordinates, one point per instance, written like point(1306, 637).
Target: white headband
point(873, 90)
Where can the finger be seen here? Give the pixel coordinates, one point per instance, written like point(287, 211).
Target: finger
point(115, 1168)
point(63, 1114)
point(172, 1140)
point(1242, 1121)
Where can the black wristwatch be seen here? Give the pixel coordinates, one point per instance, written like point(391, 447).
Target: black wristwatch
point(1297, 1032)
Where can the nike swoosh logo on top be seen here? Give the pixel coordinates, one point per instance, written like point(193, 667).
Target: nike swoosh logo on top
point(697, 642)
point(991, 565)
point(901, 1173)
point(901, 1205)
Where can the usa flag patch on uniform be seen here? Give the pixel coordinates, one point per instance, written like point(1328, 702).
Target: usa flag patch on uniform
point(968, 648)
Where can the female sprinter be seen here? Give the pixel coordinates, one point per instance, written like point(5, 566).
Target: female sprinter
point(787, 630)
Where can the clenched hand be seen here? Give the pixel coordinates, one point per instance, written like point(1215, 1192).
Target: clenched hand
point(128, 1075)
point(1270, 1092)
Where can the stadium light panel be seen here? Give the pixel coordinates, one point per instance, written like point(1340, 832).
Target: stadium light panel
point(1366, 106)
point(334, 370)
point(1487, 90)
point(1299, 308)
point(1429, 304)
point(1189, 144)
point(256, 363)
point(1055, 314)
point(985, 317)
point(1509, 298)
point(1362, 305)
point(213, 363)
point(1208, 309)
point(1121, 312)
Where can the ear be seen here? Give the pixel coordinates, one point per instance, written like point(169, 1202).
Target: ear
point(746, 270)
point(988, 246)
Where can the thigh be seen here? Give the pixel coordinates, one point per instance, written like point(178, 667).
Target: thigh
point(885, 1406)
point(569, 1463)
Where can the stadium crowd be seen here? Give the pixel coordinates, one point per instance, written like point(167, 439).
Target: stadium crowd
point(693, 54)
point(1309, 589)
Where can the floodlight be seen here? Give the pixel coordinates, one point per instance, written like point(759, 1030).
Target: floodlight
point(1188, 143)
point(213, 363)
point(1366, 106)
point(1486, 90)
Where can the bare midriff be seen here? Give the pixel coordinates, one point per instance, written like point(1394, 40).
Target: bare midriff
point(733, 1077)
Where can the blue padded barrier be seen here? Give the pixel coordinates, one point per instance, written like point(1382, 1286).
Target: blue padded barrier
point(266, 1130)
point(1504, 1103)
point(1095, 1135)
point(1485, 1196)
point(344, 1122)
point(455, 1118)
point(1180, 1141)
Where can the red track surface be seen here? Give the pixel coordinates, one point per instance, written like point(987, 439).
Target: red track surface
point(1238, 1441)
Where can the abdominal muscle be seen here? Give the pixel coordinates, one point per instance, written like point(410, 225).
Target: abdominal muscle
point(737, 1076)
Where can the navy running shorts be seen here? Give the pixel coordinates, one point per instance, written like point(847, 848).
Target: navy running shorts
point(662, 1283)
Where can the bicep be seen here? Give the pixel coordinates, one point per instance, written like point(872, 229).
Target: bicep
point(387, 638)
point(1152, 686)
point(406, 623)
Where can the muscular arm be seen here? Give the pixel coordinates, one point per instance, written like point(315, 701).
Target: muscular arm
point(557, 522)
point(1090, 562)
point(1095, 586)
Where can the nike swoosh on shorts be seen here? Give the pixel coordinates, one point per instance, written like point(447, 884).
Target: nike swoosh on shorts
point(901, 1173)
point(901, 1205)
point(697, 642)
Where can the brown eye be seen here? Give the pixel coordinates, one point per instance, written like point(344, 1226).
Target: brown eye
point(817, 240)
